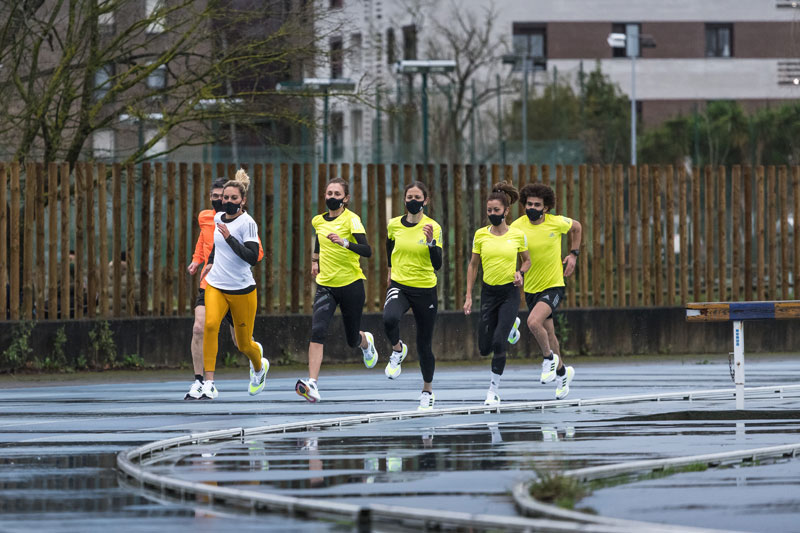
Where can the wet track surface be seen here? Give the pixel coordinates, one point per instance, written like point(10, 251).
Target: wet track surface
point(58, 447)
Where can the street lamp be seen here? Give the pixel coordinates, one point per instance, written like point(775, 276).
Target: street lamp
point(425, 67)
point(632, 41)
point(324, 86)
point(525, 63)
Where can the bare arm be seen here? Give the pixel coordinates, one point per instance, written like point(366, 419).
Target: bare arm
point(574, 235)
point(472, 275)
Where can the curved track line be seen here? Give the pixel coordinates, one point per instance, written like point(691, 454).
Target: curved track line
point(132, 463)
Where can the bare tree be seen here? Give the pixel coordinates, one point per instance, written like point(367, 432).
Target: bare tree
point(69, 68)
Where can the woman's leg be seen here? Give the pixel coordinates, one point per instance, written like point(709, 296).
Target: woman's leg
point(324, 307)
point(243, 311)
point(424, 306)
point(216, 307)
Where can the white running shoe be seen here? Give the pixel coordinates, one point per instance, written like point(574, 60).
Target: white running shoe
point(308, 390)
point(395, 360)
point(209, 391)
point(426, 401)
point(513, 337)
point(562, 387)
point(258, 379)
point(492, 398)
point(549, 367)
point(370, 354)
point(195, 391)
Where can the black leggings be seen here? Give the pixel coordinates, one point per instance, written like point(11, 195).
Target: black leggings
point(499, 308)
point(423, 303)
point(350, 299)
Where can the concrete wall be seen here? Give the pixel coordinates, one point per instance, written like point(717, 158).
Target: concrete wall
point(165, 341)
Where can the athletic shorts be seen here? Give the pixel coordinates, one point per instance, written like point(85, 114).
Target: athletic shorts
point(201, 300)
point(551, 297)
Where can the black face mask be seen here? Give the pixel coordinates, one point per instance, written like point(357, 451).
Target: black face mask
point(414, 206)
point(534, 214)
point(217, 205)
point(333, 203)
point(496, 220)
point(231, 208)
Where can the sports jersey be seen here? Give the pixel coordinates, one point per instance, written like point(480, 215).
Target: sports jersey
point(205, 241)
point(411, 259)
point(499, 254)
point(338, 266)
point(230, 272)
point(544, 244)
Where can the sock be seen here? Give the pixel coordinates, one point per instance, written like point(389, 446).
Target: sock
point(561, 371)
point(549, 356)
point(198, 377)
point(312, 381)
point(494, 384)
point(426, 392)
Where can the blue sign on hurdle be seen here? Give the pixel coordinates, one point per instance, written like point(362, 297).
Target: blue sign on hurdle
point(738, 312)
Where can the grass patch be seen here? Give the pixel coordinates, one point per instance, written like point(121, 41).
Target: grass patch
point(558, 489)
point(597, 484)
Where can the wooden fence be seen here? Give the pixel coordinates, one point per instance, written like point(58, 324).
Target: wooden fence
point(652, 235)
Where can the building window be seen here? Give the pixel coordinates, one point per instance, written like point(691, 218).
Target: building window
point(529, 39)
point(158, 78)
point(410, 42)
point(159, 148)
point(356, 52)
point(153, 13)
point(336, 4)
point(719, 40)
point(103, 144)
point(631, 30)
point(337, 57)
point(107, 17)
point(102, 81)
point(356, 130)
point(337, 135)
point(391, 53)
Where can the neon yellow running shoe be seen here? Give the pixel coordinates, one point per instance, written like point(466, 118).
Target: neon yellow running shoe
point(258, 379)
point(370, 353)
point(395, 360)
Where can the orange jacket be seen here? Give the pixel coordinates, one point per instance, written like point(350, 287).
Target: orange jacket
point(205, 242)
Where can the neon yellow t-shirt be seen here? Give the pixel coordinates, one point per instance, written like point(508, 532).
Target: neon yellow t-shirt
point(338, 266)
point(411, 259)
point(499, 254)
point(544, 244)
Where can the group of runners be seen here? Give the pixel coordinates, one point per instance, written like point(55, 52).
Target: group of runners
point(525, 253)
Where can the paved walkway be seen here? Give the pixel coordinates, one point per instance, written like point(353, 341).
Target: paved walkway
point(58, 446)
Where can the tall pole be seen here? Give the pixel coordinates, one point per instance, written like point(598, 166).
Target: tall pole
point(425, 118)
point(325, 128)
point(500, 123)
point(525, 111)
point(378, 119)
point(633, 109)
point(472, 126)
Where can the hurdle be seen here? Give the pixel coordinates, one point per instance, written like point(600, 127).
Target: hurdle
point(738, 313)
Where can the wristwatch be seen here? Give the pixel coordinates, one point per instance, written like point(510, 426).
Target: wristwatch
point(345, 243)
point(575, 252)
point(431, 244)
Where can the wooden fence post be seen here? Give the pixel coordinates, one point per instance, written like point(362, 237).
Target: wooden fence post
point(4, 241)
point(169, 292)
point(646, 228)
point(736, 235)
point(52, 249)
point(633, 238)
point(197, 206)
point(269, 238)
point(709, 222)
point(796, 227)
point(130, 255)
point(770, 231)
point(91, 256)
point(445, 288)
point(372, 230)
point(102, 216)
point(40, 279)
point(669, 247)
point(697, 272)
point(283, 199)
point(570, 212)
point(658, 236)
point(381, 236)
point(620, 240)
point(748, 233)
point(80, 233)
point(459, 235)
point(760, 290)
point(608, 230)
point(683, 193)
point(296, 196)
point(158, 202)
point(785, 203)
point(722, 256)
point(597, 235)
point(65, 236)
point(583, 258)
point(14, 281)
point(308, 239)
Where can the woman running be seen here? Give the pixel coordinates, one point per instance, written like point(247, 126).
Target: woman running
point(544, 286)
point(205, 242)
point(414, 253)
point(496, 248)
point(231, 286)
point(340, 241)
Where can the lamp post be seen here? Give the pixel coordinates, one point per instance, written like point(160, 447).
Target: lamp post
point(632, 42)
point(324, 86)
point(525, 63)
point(425, 67)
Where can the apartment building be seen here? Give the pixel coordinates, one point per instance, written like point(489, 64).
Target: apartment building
point(743, 50)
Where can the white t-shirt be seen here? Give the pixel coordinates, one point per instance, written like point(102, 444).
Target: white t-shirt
point(230, 272)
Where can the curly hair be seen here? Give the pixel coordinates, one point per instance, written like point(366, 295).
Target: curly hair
point(538, 190)
point(504, 192)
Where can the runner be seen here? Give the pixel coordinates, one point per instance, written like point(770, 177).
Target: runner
point(340, 241)
point(414, 253)
point(205, 243)
point(496, 248)
point(231, 286)
point(544, 285)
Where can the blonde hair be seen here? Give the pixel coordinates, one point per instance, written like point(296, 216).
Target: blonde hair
point(241, 181)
